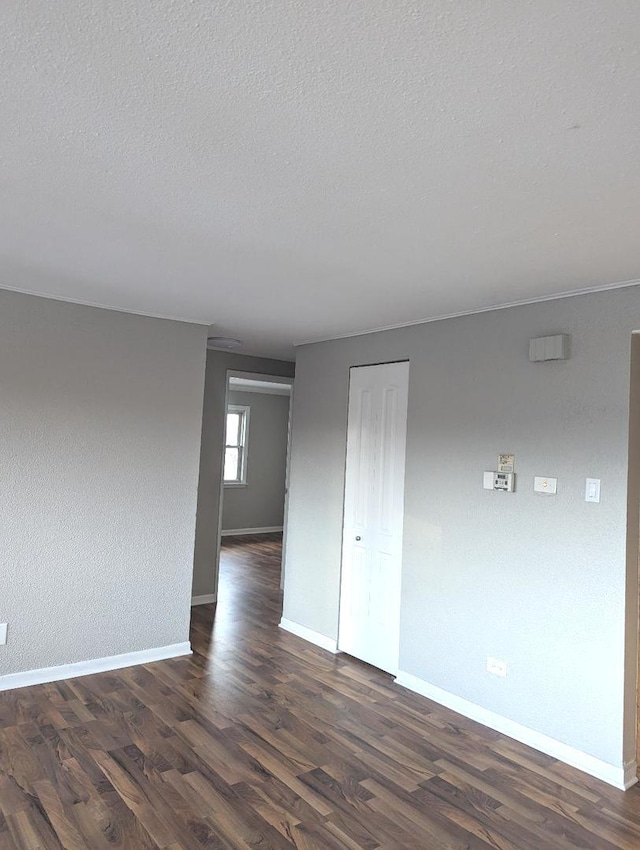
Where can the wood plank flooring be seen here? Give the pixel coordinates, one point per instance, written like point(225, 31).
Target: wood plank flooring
point(261, 740)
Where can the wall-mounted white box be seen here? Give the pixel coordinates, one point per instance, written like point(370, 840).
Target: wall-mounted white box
point(3, 634)
point(549, 348)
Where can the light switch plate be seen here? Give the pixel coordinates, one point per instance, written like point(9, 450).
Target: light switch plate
point(3, 634)
point(542, 484)
point(592, 490)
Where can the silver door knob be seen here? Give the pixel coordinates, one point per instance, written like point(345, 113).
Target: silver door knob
point(358, 537)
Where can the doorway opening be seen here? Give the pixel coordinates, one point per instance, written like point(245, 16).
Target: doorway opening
point(255, 471)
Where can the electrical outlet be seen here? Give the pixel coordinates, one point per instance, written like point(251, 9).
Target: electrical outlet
point(497, 667)
point(542, 484)
point(3, 634)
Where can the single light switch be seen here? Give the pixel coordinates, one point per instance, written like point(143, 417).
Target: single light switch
point(592, 490)
point(3, 634)
point(545, 485)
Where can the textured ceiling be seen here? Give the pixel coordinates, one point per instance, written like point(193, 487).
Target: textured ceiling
point(301, 169)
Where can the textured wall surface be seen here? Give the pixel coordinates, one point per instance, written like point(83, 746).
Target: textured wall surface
point(535, 580)
point(261, 503)
point(333, 166)
point(100, 416)
point(205, 578)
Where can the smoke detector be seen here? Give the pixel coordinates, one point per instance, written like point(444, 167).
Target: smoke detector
point(225, 342)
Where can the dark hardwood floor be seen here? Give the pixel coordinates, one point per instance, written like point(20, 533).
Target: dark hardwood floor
point(261, 740)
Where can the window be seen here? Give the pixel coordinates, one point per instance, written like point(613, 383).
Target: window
point(236, 445)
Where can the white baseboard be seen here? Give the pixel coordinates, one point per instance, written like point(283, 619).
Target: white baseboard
point(322, 641)
point(96, 665)
point(620, 777)
point(243, 532)
point(206, 599)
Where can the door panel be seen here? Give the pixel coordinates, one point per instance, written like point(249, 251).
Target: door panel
point(386, 493)
point(373, 514)
point(362, 448)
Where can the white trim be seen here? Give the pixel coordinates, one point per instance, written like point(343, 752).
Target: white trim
point(243, 532)
point(588, 290)
point(205, 599)
point(253, 385)
point(622, 777)
point(303, 632)
point(263, 376)
point(83, 303)
point(96, 665)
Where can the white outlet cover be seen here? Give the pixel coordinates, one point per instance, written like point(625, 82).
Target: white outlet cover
point(3, 634)
point(497, 667)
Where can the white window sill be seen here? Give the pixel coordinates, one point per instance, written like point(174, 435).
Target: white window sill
point(235, 484)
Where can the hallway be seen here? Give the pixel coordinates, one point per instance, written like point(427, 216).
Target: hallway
point(261, 739)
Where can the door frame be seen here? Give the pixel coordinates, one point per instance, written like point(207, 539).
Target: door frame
point(631, 726)
point(274, 379)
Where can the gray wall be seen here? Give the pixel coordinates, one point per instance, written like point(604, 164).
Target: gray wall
point(100, 417)
point(261, 503)
point(205, 576)
point(537, 581)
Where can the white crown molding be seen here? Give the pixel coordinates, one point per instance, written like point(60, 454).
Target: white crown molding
point(82, 303)
point(244, 532)
point(96, 665)
point(205, 599)
point(506, 306)
point(622, 777)
point(309, 635)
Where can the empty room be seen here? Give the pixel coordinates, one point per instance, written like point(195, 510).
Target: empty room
point(319, 425)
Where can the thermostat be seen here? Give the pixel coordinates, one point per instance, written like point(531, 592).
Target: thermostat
point(504, 481)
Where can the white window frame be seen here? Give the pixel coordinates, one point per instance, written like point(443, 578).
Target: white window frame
point(245, 411)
